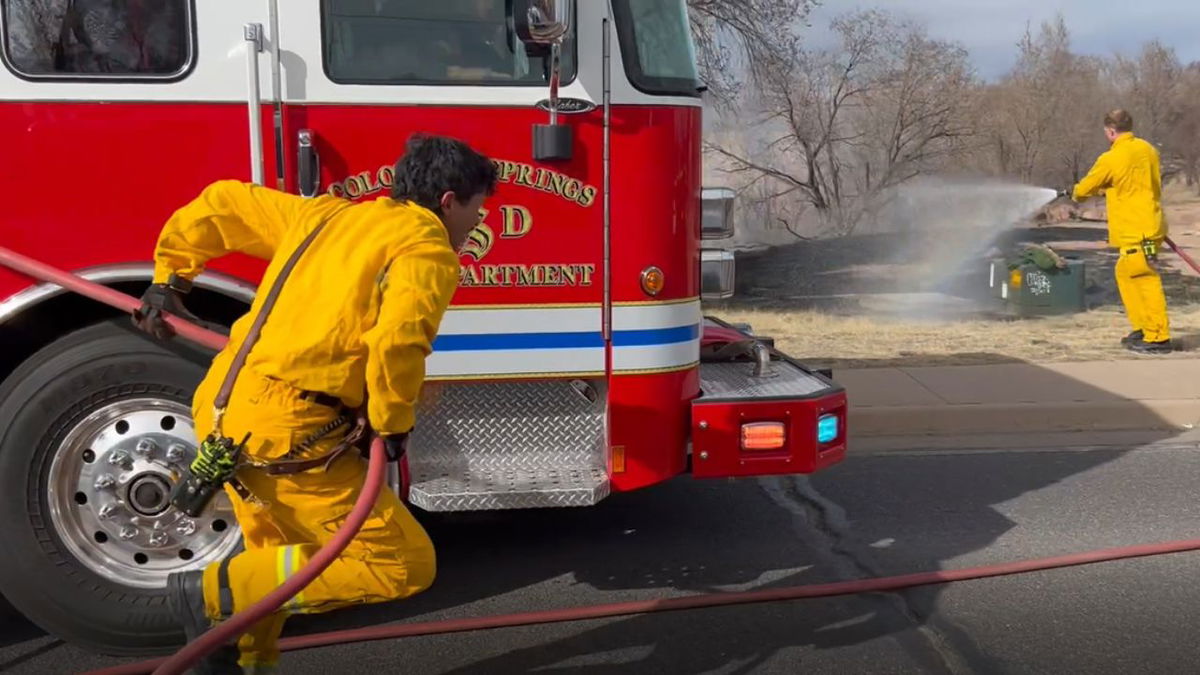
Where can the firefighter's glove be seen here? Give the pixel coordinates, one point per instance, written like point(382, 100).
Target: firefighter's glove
point(395, 445)
point(158, 300)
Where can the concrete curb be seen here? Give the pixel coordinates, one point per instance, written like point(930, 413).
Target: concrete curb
point(952, 420)
point(1048, 441)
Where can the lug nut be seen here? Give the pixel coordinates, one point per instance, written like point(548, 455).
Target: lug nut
point(145, 447)
point(158, 539)
point(119, 458)
point(186, 528)
point(176, 453)
point(105, 480)
point(107, 511)
point(129, 532)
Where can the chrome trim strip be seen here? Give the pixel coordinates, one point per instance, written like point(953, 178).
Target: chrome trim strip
point(218, 282)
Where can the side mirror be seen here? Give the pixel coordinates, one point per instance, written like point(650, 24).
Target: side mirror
point(543, 25)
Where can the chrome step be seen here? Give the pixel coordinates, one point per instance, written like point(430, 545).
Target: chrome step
point(509, 445)
point(494, 489)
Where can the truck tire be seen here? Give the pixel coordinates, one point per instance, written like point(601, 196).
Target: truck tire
point(94, 429)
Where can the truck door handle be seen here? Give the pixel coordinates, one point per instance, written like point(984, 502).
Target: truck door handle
point(309, 164)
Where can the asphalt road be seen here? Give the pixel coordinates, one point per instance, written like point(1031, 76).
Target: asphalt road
point(874, 515)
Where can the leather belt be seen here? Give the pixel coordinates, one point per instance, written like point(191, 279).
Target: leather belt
point(321, 398)
point(288, 467)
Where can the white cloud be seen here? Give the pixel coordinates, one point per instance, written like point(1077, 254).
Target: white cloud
point(990, 29)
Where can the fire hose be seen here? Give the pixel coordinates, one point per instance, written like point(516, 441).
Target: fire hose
point(1186, 258)
point(243, 620)
point(239, 623)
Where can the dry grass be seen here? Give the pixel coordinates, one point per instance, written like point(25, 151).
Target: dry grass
point(1175, 193)
point(863, 342)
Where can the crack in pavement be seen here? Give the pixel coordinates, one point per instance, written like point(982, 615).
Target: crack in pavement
point(937, 644)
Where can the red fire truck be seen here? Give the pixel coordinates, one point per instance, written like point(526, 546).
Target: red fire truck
point(574, 362)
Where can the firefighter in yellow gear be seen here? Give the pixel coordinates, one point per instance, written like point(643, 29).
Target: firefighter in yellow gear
point(354, 322)
point(1129, 175)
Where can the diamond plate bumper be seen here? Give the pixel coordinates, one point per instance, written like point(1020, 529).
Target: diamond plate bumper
point(735, 381)
point(509, 445)
point(805, 404)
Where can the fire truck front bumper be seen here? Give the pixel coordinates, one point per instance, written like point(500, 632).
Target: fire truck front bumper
point(766, 416)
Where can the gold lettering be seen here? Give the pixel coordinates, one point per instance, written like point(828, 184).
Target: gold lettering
point(505, 170)
point(559, 183)
point(386, 176)
point(588, 197)
point(368, 180)
point(469, 276)
point(525, 176)
point(517, 221)
point(510, 275)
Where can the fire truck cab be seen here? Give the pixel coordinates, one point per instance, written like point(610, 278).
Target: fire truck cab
point(575, 361)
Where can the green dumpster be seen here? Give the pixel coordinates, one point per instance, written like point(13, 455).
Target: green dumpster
point(1031, 290)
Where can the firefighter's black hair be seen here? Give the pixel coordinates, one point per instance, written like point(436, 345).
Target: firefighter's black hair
point(434, 165)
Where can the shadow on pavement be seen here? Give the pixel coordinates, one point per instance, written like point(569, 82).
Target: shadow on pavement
point(691, 536)
point(694, 537)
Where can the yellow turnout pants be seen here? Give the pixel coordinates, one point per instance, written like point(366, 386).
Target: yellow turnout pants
point(1142, 294)
point(391, 558)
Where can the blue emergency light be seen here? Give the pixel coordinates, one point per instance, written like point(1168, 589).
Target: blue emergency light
point(827, 429)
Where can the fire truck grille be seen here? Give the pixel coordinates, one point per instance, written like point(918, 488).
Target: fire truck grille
point(509, 445)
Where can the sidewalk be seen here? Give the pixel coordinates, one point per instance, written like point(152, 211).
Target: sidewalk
point(1138, 395)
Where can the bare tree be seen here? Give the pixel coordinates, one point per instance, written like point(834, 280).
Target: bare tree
point(916, 115)
point(34, 29)
point(1184, 135)
point(1150, 86)
point(95, 36)
point(1046, 120)
point(737, 37)
point(839, 127)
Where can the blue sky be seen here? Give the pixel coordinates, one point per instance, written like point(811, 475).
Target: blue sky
point(990, 29)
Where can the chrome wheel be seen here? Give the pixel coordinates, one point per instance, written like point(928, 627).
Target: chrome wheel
point(109, 490)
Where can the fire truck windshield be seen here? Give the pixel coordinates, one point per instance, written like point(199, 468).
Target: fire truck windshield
point(422, 42)
point(656, 44)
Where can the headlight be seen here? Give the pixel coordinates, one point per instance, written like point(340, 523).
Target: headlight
point(716, 213)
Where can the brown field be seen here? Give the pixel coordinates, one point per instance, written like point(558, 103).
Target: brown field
point(842, 303)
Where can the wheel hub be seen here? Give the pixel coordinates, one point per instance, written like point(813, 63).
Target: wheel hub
point(109, 489)
point(149, 494)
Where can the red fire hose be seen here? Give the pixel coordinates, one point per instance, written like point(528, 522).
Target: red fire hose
point(1186, 258)
point(108, 296)
point(243, 620)
point(855, 587)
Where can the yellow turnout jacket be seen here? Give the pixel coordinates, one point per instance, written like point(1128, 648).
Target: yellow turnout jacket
point(359, 312)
